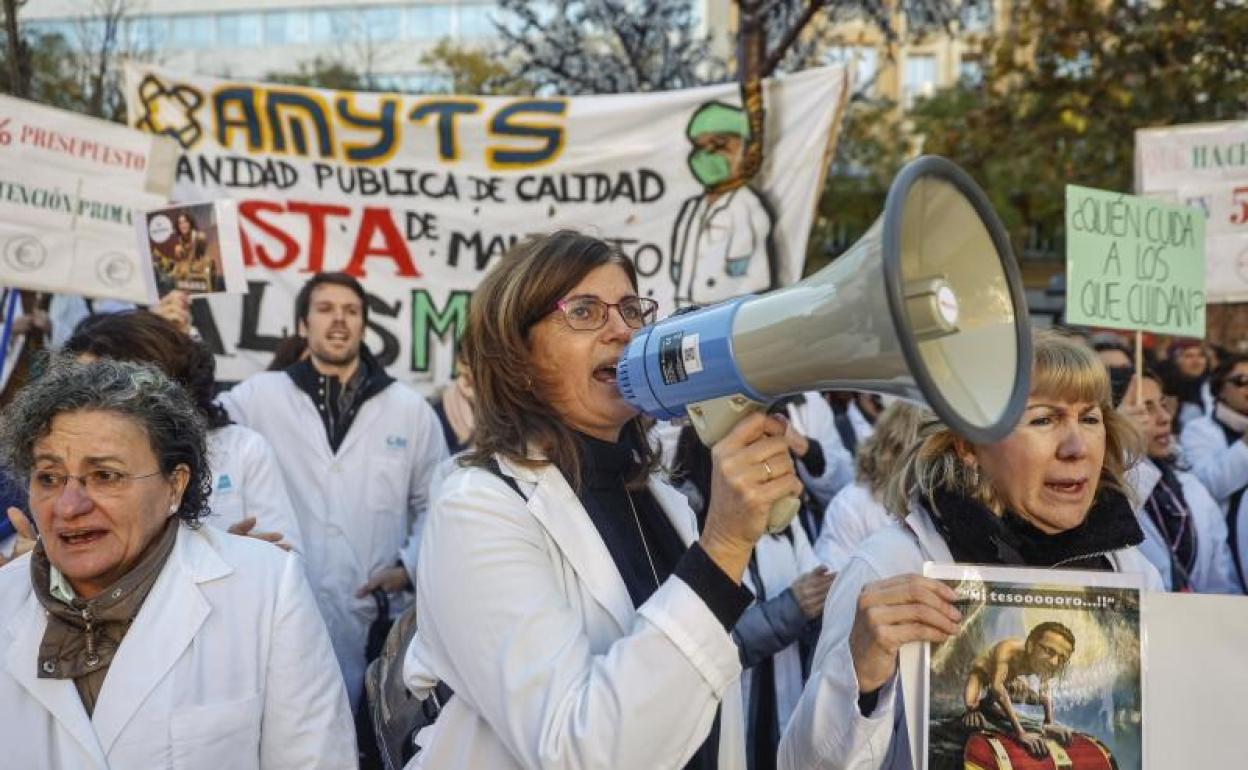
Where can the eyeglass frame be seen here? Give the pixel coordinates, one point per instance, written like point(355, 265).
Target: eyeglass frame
point(122, 483)
point(1238, 380)
point(652, 311)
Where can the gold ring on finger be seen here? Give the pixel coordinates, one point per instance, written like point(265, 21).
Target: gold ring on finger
point(767, 467)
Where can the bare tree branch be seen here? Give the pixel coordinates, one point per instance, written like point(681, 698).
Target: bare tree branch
point(790, 35)
point(19, 52)
point(607, 46)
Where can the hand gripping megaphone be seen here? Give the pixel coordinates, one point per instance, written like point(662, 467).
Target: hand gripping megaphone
point(927, 306)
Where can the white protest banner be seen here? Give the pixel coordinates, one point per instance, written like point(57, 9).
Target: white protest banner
point(418, 195)
point(68, 187)
point(1204, 165)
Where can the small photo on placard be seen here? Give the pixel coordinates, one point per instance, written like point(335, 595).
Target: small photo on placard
point(1045, 671)
point(195, 248)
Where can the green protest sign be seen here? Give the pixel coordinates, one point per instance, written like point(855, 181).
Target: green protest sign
point(1134, 263)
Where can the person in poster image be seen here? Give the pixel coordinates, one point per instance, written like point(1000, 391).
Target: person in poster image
point(999, 678)
point(722, 244)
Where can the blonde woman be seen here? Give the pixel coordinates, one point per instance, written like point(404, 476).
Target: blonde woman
point(1050, 494)
point(857, 511)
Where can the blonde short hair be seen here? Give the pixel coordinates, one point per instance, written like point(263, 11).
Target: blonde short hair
point(1063, 368)
point(895, 432)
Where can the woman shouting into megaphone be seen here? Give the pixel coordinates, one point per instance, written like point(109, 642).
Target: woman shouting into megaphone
point(564, 593)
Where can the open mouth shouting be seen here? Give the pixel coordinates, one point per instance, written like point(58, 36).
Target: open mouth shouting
point(605, 373)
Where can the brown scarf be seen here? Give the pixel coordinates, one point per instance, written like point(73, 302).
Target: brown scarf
point(80, 640)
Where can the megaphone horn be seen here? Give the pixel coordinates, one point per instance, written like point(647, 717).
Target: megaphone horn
point(928, 306)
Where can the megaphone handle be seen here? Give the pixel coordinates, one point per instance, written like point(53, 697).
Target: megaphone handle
point(714, 419)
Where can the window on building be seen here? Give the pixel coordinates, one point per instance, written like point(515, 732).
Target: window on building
point(142, 34)
point(476, 21)
point(919, 78)
point(335, 26)
point(866, 57)
point(286, 27)
point(385, 23)
point(971, 71)
point(66, 30)
point(976, 15)
point(239, 30)
point(415, 83)
point(191, 31)
point(427, 22)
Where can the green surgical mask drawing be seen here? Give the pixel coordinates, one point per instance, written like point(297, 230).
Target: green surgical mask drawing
point(709, 168)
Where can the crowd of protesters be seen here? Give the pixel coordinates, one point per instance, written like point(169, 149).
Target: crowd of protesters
point(196, 579)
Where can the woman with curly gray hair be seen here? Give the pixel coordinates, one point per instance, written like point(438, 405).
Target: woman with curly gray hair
point(133, 636)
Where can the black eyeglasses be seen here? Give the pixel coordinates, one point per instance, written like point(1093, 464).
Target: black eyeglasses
point(590, 313)
point(1239, 380)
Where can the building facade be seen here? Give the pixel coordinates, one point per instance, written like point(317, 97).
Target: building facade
point(381, 39)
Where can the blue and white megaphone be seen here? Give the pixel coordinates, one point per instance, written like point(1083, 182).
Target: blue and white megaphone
point(927, 306)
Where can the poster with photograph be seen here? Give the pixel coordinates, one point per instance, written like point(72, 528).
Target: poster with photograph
point(195, 248)
point(1045, 672)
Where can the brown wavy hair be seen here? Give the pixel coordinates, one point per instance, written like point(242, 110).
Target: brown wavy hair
point(511, 417)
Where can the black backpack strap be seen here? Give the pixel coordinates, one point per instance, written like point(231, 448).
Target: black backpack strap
point(492, 466)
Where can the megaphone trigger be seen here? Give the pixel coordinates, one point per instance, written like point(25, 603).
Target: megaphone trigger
point(714, 418)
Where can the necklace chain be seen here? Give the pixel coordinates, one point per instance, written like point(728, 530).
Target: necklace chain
point(645, 546)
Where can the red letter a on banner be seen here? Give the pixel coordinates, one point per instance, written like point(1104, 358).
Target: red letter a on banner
point(373, 222)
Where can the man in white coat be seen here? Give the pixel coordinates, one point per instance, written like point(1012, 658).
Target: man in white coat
point(357, 450)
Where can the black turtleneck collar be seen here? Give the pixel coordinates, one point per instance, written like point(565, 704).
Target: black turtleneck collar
point(604, 464)
point(976, 535)
point(339, 402)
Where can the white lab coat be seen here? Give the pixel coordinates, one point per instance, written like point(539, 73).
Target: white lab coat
point(521, 611)
point(814, 419)
point(664, 436)
point(861, 425)
point(1214, 571)
point(721, 250)
point(1220, 465)
point(780, 562)
point(359, 509)
point(246, 481)
point(227, 665)
point(853, 516)
point(827, 730)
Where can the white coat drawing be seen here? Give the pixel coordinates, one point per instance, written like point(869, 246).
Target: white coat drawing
point(721, 247)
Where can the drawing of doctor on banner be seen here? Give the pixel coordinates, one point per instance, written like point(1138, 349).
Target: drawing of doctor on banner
point(721, 245)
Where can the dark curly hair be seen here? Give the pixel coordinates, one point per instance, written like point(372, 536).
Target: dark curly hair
point(174, 426)
point(146, 338)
